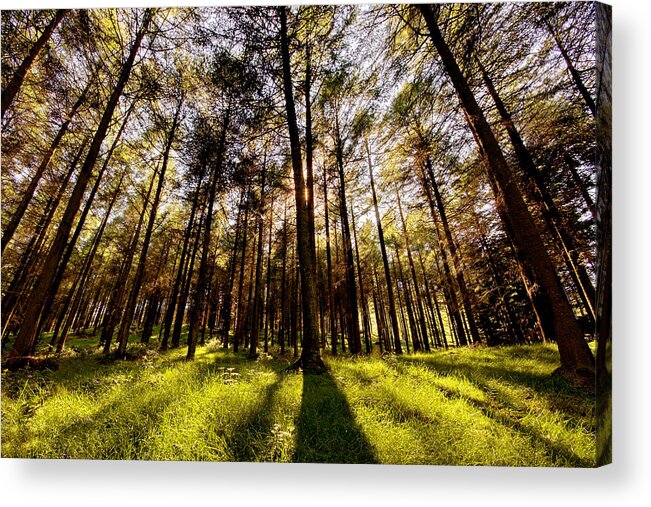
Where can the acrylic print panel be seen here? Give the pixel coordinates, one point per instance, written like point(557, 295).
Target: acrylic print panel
point(341, 234)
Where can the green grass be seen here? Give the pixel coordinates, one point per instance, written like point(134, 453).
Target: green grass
point(496, 406)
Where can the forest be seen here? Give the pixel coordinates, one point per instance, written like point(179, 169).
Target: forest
point(320, 233)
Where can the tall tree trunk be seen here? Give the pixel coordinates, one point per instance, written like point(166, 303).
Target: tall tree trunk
point(362, 295)
point(576, 77)
point(27, 335)
point(309, 148)
point(545, 290)
point(74, 297)
point(310, 359)
point(282, 326)
point(413, 327)
point(16, 81)
point(267, 304)
point(27, 264)
point(543, 198)
point(178, 282)
point(117, 298)
point(127, 317)
point(226, 307)
point(354, 339)
point(385, 260)
point(419, 299)
point(257, 295)
point(428, 295)
point(70, 247)
point(240, 285)
point(449, 289)
point(187, 284)
point(579, 183)
point(331, 294)
point(456, 261)
point(514, 325)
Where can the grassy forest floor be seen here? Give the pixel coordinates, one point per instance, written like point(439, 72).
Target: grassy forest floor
point(481, 406)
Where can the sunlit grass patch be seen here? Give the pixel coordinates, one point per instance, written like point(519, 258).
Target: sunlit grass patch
point(467, 407)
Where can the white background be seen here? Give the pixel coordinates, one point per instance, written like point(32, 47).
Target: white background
point(626, 482)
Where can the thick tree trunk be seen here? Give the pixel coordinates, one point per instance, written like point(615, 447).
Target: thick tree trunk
point(16, 81)
point(543, 198)
point(310, 359)
point(552, 307)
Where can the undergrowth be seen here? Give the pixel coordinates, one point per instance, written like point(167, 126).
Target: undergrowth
point(482, 406)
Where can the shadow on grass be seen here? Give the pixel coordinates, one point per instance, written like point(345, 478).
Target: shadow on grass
point(326, 428)
point(557, 392)
point(552, 449)
point(251, 436)
point(500, 410)
point(497, 410)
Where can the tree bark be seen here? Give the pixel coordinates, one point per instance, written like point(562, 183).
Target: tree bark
point(354, 339)
point(419, 300)
point(178, 282)
point(552, 307)
point(576, 77)
point(543, 198)
point(27, 264)
point(310, 359)
point(226, 307)
point(257, 293)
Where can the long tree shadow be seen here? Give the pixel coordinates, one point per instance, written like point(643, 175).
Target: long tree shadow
point(326, 428)
point(493, 409)
point(557, 391)
point(131, 403)
point(554, 450)
point(501, 411)
point(251, 436)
